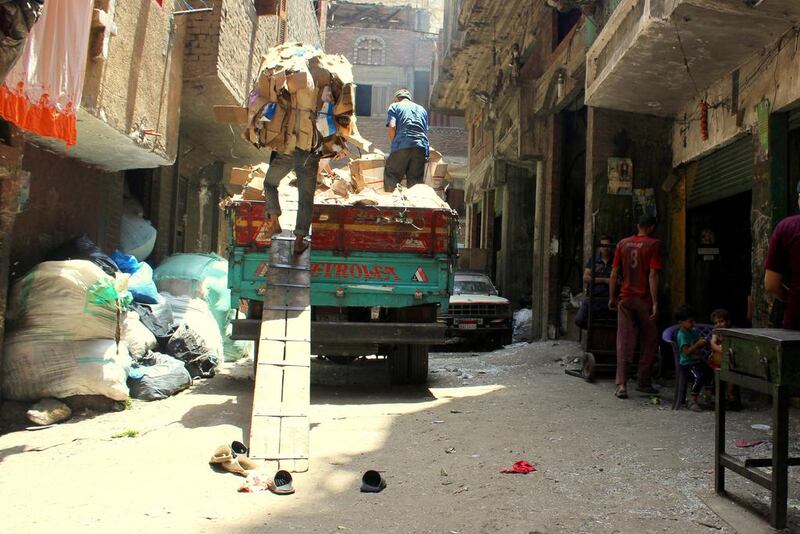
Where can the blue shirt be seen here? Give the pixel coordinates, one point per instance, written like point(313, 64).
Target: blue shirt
point(411, 122)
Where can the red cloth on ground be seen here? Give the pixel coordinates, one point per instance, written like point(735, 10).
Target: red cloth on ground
point(522, 467)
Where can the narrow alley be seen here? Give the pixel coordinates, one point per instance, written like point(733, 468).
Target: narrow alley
point(601, 466)
point(367, 266)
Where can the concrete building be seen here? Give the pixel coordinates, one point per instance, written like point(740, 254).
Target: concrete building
point(721, 80)
point(692, 100)
point(517, 74)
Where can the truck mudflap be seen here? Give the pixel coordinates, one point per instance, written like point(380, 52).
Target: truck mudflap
point(330, 334)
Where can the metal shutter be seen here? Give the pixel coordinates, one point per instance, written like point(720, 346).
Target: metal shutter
point(794, 119)
point(726, 172)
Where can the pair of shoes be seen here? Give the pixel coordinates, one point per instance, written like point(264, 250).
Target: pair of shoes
point(233, 458)
point(621, 393)
point(695, 407)
point(648, 390)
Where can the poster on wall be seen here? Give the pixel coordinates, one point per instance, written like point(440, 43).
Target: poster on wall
point(644, 203)
point(620, 176)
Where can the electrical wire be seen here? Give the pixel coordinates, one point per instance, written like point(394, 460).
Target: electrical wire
point(686, 61)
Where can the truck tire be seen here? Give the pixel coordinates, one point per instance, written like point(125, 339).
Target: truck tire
point(417, 364)
point(398, 365)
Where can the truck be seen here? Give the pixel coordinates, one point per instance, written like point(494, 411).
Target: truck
point(379, 277)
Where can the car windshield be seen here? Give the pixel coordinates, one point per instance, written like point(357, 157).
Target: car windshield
point(473, 287)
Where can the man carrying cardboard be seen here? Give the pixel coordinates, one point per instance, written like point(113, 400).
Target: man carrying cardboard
point(408, 132)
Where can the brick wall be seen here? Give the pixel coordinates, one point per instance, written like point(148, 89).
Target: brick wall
point(303, 23)
point(67, 199)
point(231, 40)
point(404, 48)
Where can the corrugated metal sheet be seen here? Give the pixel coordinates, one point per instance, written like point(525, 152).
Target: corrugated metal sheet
point(726, 172)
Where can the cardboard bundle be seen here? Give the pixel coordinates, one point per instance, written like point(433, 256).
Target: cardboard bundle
point(303, 98)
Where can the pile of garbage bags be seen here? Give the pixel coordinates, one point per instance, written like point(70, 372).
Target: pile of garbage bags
point(111, 326)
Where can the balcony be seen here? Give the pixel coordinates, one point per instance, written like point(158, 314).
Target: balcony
point(639, 61)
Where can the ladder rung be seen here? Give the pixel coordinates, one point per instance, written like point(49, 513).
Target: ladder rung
point(281, 414)
point(285, 339)
point(279, 363)
point(286, 308)
point(288, 266)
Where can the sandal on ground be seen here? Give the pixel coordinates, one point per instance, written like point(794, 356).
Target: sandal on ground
point(225, 458)
point(241, 465)
point(282, 483)
point(239, 448)
point(221, 455)
point(621, 393)
point(372, 482)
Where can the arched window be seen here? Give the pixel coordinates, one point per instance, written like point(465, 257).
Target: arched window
point(370, 51)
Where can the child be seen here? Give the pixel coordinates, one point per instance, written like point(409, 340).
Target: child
point(722, 319)
point(692, 359)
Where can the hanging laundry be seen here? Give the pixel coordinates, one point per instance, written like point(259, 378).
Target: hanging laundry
point(42, 92)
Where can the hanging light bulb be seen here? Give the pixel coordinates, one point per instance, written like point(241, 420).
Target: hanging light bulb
point(560, 83)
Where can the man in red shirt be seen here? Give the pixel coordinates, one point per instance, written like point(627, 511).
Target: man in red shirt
point(782, 277)
point(638, 260)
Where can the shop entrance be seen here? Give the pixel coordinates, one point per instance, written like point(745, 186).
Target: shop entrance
point(719, 242)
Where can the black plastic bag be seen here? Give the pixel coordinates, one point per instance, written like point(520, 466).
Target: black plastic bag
point(189, 347)
point(161, 329)
point(157, 377)
point(83, 248)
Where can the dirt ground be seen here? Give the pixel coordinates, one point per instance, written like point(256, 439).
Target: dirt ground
point(604, 465)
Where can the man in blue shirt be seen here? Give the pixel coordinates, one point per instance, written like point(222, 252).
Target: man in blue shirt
point(408, 131)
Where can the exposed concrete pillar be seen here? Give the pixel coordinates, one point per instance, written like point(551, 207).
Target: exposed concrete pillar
point(10, 168)
point(540, 257)
point(770, 204)
point(518, 230)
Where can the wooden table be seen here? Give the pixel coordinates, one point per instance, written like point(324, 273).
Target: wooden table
point(767, 361)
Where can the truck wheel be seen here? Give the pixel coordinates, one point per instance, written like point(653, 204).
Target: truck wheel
point(398, 365)
point(418, 364)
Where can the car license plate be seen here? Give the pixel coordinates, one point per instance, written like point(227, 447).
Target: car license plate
point(468, 326)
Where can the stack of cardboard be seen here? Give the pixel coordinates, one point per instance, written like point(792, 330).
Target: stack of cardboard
point(302, 98)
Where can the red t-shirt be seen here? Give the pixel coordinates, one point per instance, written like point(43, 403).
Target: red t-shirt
point(784, 257)
point(635, 257)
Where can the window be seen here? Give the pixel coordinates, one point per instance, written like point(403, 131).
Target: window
point(564, 23)
point(380, 99)
point(369, 51)
point(363, 100)
point(422, 87)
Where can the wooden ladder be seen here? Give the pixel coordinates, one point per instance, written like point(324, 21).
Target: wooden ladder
point(279, 425)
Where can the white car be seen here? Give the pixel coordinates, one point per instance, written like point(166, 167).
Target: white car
point(476, 312)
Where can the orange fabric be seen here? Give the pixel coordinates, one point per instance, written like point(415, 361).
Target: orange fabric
point(42, 92)
point(40, 117)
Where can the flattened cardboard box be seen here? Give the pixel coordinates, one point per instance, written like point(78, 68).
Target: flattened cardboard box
point(240, 175)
